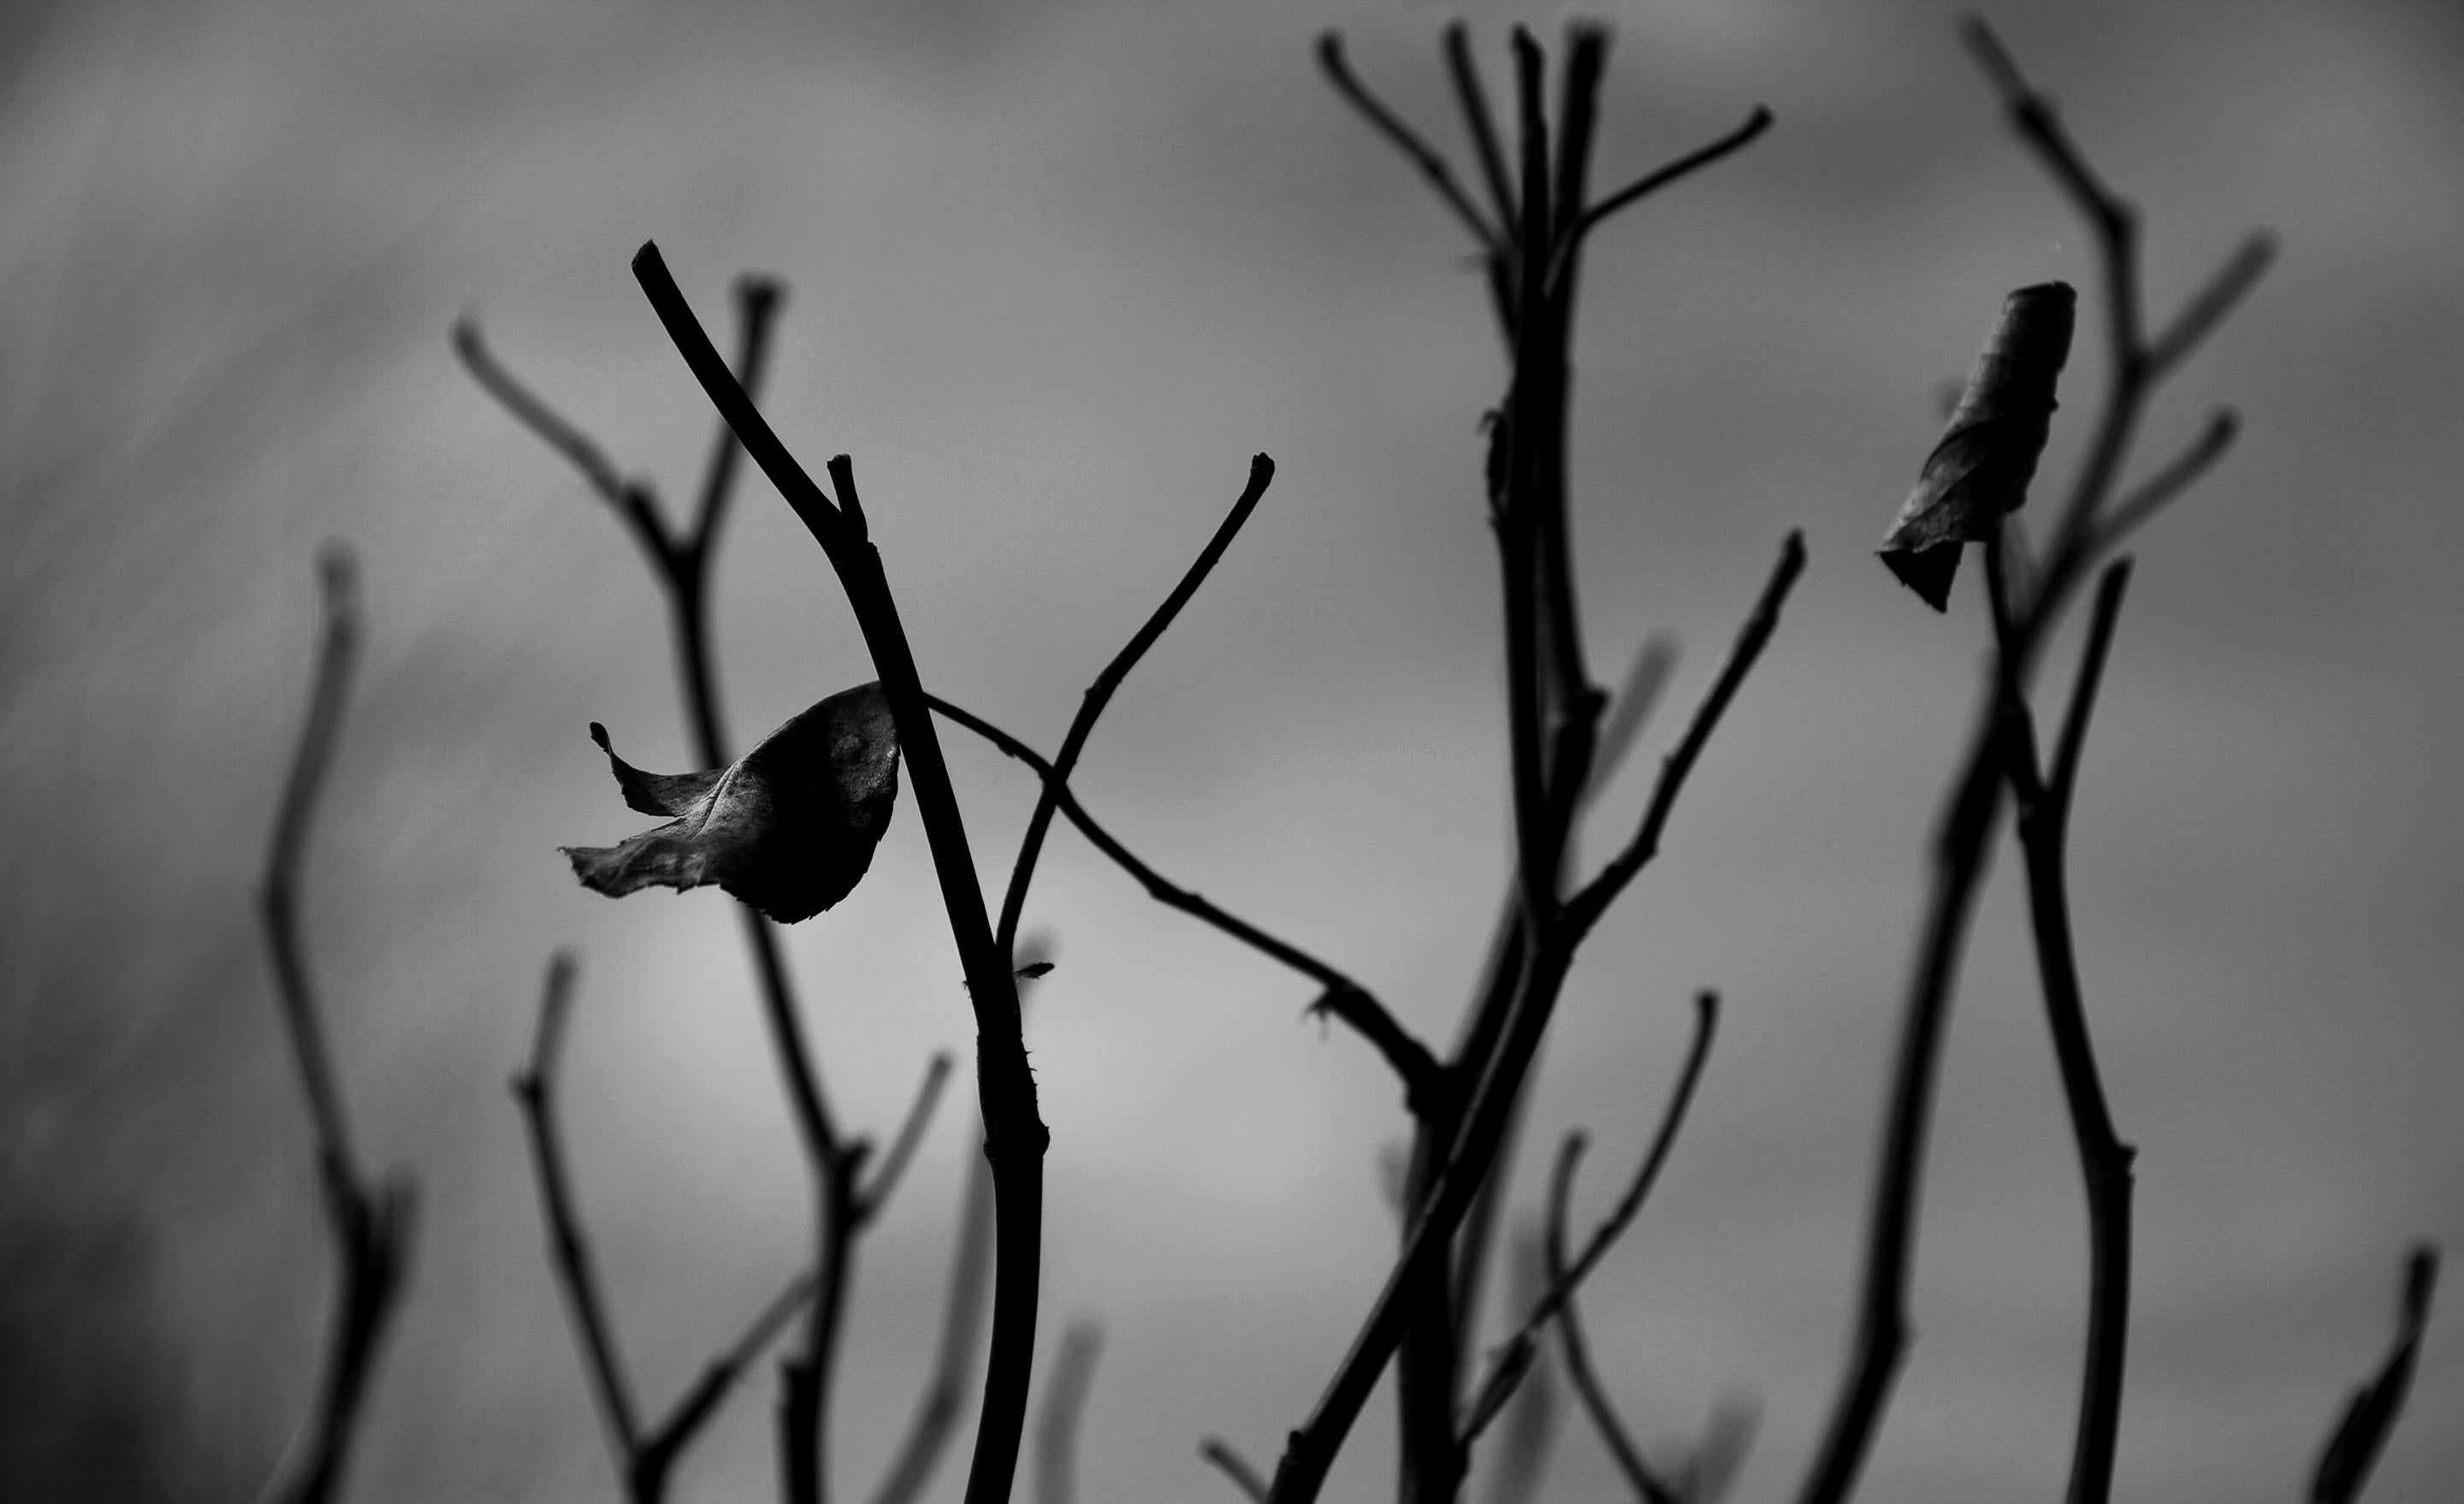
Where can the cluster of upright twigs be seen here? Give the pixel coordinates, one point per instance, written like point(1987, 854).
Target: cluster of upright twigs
point(370, 1219)
point(1465, 1104)
point(2026, 600)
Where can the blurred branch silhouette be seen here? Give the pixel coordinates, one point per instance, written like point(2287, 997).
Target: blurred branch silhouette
point(371, 1220)
point(644, 1457)
point(1065, 1412)
point(2354, 1448)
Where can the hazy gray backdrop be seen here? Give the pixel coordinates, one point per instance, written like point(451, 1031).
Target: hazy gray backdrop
point(1057, 270)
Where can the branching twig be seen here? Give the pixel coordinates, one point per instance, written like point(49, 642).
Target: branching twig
point(534, 1087)
point(1565, 1279)
point(2002, 748)
point(1405, 140)
point(1344, 998)
point(1659, 177)
point(1630, 1461)
point(877, 1191)
point(1588, 905)
point(1261, 473)
point(371, 1221)
point(644, 1459)
point(1015, 1137)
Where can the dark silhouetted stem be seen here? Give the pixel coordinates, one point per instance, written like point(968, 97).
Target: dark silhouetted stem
point(1344, 998)
point(2104, 1159)
point(1261, 473)
point(1015, 1137)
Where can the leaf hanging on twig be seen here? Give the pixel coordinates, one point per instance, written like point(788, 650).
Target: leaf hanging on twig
point(789, 827)
point(1981, 468)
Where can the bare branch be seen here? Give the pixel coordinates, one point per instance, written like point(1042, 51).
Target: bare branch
point(2351, 1452)
point(1659, 177)
point(1515, 1355)
point(371, 1224)
point(1594, 900)
point(633, 500)
point(1261, 473)
point(1405, 140)
point(1245, 1478)
point(2104, 1159)
point(2171, 480)
point(1016, 1137)
point(534, 1088)
point(962, 1320)
point(1645, 681)
point(757, 306)
point(1064, 1403)
point(1344, 998)
point(893, 1164)
point(2200, 316)
point(1479, 122)
point(1570, 1340)
point(2107, 611)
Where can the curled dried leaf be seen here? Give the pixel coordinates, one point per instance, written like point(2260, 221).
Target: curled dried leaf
point(1980, 468)
point(789, 827)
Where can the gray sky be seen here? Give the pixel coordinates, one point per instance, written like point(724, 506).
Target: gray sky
point(1056, 272)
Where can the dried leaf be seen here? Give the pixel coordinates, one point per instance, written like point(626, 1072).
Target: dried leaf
point(1981, 468)
point(789, 827)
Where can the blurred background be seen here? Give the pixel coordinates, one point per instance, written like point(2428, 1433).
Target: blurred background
point(1056, 270)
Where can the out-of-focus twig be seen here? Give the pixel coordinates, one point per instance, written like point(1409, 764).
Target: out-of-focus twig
point(1564, 1278)
point(1065, 1412)
point(2345, 1463)
point(371, 1221)
point(645, 1458)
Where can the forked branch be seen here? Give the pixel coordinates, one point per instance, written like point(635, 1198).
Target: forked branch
point(370, 1221)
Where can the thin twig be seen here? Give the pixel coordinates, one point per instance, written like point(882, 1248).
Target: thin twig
point(962, 1319)
point(1514, 1356)
point(1344, 998)
point(1015, 1137)
point(1659, 177)
point(1082, 725)
point(1478, 121)
point(2354, 1449)
point(1531, 1416)
point(1244, 1476)
point(1588, 905)
point(371, 1221)
point(534, 1088)
point(2104, 1159)
point(1065, 1407)
point(2003, 747)
point(919, 1113)
point(1629, 1458)
point(696, 1404)
point(2171, 481)
point(1405, 140)
point(2208, 308)
point(632, 499)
